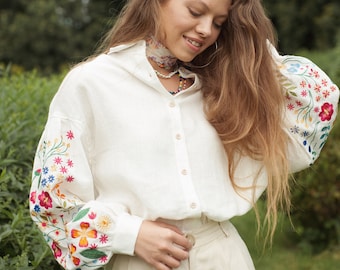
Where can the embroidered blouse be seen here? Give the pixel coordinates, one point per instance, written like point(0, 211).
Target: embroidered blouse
point(118, 149)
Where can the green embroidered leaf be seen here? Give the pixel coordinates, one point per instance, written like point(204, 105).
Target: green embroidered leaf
point(92, 253)
point(324, 136)
point(326, 128)
point(322, 144)
point(81, 214)
point(292, 93)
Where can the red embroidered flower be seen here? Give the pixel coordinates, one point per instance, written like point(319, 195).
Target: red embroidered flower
point(290, 106)
point(326, 112)
point(103, 259)
point(56, 250)
point(303, 84)
point(70, 163)
point(69, 135)
point(84, 233)
point(325, 93)
point(304, 93)
point(45, 200)
point(58, 160)
point(103, 239)
point(317, 88)
point(37, 172)
point(70, 178)
point(63, 169)
point(33, 196)
point(92, 215)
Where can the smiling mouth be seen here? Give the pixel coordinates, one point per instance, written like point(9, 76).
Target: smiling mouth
point(195, 43)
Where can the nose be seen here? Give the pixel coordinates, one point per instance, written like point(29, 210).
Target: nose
point(204, 27)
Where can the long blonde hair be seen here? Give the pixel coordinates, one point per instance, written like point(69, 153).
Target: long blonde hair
point(246, 104)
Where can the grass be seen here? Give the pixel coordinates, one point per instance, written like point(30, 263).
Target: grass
point(285, 253)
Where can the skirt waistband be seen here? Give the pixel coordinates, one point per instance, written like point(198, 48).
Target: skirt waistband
point(201, 231)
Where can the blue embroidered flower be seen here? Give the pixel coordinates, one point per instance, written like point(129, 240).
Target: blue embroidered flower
point(51, 179)
point(37, 208)
point(295, 129)
point(45, 170)
point(305, 133)
point(293, 68)
point(44, 182)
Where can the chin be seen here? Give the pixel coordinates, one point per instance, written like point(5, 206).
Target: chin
point(186, 59)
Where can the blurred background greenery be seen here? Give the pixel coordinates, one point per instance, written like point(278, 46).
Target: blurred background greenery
point(51, 33)
point(41, 39)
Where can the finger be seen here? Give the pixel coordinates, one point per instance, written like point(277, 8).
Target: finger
point(161, 266)
point(182, 241)
point(179, 253)
point(169, 226)
point(170, 261)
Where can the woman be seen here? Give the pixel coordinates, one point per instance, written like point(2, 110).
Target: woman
point(179, 123)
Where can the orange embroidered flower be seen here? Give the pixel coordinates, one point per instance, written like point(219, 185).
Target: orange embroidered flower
point(75, 260)
point(84, 234)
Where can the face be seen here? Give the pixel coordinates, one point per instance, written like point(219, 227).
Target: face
point(191, 26)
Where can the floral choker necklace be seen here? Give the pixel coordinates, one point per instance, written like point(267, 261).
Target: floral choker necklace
point(158, 53)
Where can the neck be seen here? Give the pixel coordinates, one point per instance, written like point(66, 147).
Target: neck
point(157, 53)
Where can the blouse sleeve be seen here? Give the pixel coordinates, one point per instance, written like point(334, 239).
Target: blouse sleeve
point(82, 232)
point(311, 101)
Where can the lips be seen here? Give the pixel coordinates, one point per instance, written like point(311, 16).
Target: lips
point(194, 42)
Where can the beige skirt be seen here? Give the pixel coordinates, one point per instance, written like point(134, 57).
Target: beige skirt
point(216, 246)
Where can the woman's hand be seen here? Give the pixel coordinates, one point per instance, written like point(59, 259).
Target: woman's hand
point(162, 245)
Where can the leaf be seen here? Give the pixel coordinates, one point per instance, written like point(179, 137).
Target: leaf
point(81, 214)
point(326, 128)
point(92, 253)
point(323, 136)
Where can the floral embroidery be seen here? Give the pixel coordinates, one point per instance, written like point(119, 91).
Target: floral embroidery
point(45, 200)
point(326, 112)
point(56, 250)
point(83, 234)
point(75, 260)
point(103, 239)
point(309, 98)
point(52, 209)
point(104, 223)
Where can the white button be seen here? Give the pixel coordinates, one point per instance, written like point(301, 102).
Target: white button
point(184, 172)
point(193, 205)
point(178, 136)
point(172, 104)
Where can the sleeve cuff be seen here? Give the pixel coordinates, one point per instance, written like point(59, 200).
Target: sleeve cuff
point(126, 232)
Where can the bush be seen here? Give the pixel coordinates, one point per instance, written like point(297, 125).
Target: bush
point(23, 111)
point(316, 198)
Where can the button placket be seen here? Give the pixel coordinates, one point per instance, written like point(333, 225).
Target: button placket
point(182, 157)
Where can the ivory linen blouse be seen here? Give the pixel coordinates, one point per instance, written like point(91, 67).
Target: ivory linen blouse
point(118, 149)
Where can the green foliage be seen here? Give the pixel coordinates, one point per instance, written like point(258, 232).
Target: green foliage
point(23, 111)
point(305, 24)
point(316, 198)
point(329, 61)
point(48, 34)
point(284, 252)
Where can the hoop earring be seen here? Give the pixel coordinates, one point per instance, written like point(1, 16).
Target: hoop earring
point(189, 65)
